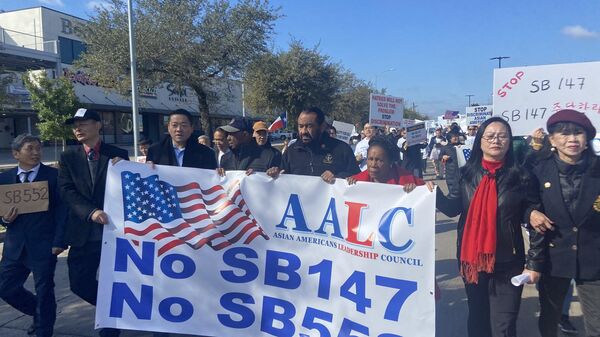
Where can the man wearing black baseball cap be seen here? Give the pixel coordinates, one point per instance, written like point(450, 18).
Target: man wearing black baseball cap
point(245, 153)
point(82, 180)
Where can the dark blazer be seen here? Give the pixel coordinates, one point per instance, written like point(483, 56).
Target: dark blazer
point(79, 192)
point(195, 155)
point(573, 248)
point(36, 232)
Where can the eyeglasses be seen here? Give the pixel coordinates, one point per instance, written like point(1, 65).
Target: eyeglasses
point(491, 137)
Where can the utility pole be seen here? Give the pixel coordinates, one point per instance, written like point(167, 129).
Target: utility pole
point(469, 98)
point(500, 58)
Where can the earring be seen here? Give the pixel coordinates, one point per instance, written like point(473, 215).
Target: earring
point(553, 149)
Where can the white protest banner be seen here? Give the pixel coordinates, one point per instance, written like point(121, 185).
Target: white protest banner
point(386, 110)
point(416, 134)
point(478, 114)
point(344, 130)
point(527, 96)
point(189, 252)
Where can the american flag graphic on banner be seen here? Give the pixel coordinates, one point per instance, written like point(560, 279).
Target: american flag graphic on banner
point(188, 214)
point(463, 153)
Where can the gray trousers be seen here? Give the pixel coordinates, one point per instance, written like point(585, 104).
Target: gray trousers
point(589, 296)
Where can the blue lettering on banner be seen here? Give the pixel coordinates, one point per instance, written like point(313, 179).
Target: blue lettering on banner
point(144, 263)
point(123, 295)
point(277, 315)
point(297, 216)
point(249, 268)
point(385, 230)
point(186, 312)
point(331, 218)
point(189, 267)
point(292, 280)
point(227, 302)
point(284, 315)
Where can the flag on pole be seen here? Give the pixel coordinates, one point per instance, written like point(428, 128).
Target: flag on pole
point(451, 114)
point(279, 123)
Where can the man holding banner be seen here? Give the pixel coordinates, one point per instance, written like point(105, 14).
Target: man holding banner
point(82, 182)
point(316, 154)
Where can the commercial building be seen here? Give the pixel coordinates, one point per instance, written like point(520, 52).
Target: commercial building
point(42, 38)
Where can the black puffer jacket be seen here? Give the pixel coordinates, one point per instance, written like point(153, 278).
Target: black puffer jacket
point(516, 200)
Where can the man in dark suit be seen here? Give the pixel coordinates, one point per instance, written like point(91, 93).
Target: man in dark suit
point(82, 180)
point(32, 240)
point(179, 148)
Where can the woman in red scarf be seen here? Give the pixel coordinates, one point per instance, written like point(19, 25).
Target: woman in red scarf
point(494, 199)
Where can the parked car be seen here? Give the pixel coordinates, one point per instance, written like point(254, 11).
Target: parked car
point(281, 135)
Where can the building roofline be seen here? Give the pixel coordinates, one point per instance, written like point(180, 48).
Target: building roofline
point(43, 7)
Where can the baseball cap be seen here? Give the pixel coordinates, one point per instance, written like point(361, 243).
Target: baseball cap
point(237, 124)
point(260, 125)
point(83, 114)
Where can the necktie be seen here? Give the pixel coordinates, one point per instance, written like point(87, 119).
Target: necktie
point(91, 155)
point(25, 176)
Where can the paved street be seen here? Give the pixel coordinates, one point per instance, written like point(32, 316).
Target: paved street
point(76, 318)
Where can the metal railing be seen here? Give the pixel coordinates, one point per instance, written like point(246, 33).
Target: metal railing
point(26, 40)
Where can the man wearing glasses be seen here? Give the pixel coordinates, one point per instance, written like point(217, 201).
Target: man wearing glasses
point(471, 132)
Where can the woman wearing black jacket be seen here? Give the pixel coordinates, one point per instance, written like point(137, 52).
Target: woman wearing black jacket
point(568, 182)
point(493, 201)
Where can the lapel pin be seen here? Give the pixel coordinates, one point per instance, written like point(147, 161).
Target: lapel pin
point(547, 184)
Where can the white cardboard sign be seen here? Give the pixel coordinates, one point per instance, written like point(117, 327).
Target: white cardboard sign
point(386, 110)
point(527, 96)
point(416, 133)
point(344, 130)
point(478, 114)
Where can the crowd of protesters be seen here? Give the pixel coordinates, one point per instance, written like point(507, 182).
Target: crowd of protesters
point(550, 186)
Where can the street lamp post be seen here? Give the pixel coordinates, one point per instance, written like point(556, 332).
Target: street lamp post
point(500, 58)
point(381, 73)
point(469, 98)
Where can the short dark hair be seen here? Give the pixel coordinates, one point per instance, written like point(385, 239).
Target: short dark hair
point(145, 142)
point(23, 138)
point(182, 112)
point(390, 149)
point(331, 127)
point(315, 110)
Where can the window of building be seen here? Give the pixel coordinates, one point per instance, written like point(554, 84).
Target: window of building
point(70, 49)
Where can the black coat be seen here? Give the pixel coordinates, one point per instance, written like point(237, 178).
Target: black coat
point(79, 192)
point(251, 156)
point(328, 154)
point(573, 248)
point(195, 155)
point(516, 200)
point(36, 232)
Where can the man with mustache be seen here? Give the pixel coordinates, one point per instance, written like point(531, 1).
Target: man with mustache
point(315, 153)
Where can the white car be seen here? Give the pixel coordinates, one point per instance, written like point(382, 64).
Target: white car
point(281, 135)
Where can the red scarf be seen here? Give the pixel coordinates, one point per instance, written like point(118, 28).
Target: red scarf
point(478, 250)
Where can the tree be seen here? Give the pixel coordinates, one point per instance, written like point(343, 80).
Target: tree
point(291, 81)
point(186, 43)
point(55, 101)
point(6, 100)
point(351, 103)
point(411, 113)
